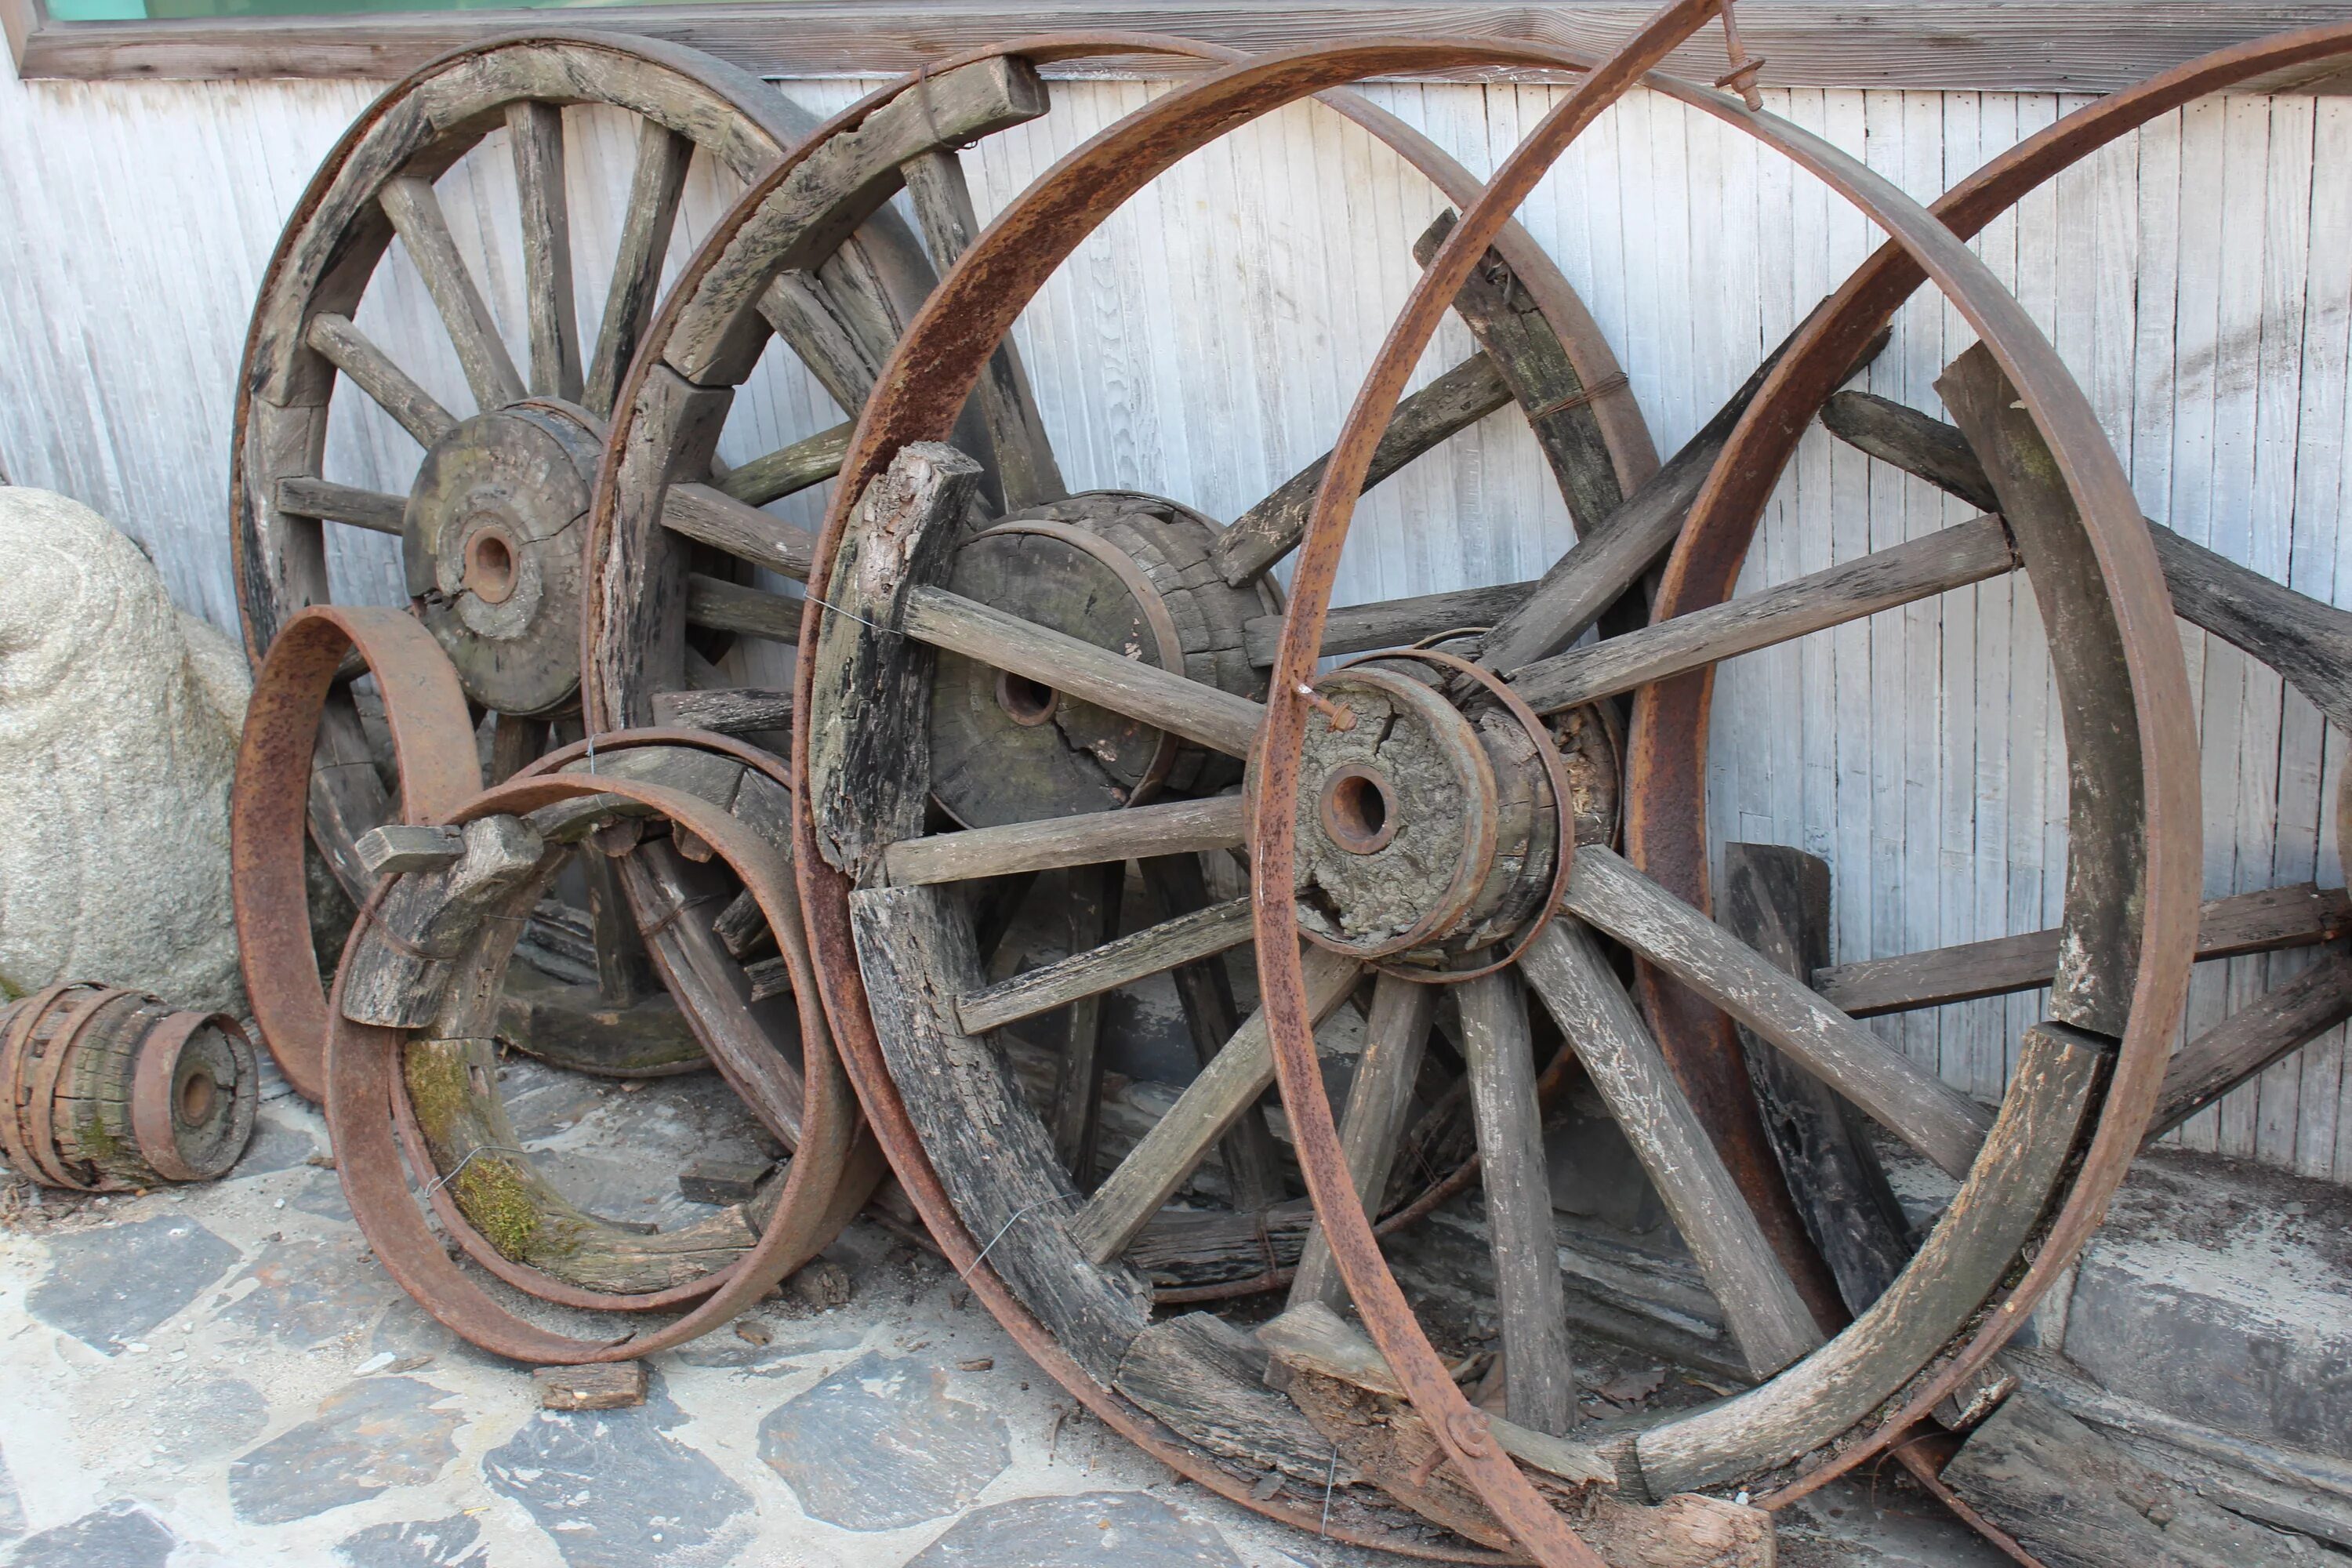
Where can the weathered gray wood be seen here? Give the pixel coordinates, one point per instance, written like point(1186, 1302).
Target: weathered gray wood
point(402, 966)
point(1538, 1366)
point(1918, 443)
point(576, 1026)
point(742, 926)
point(728, 711)
point(1392, 623)
point(655, 185)
point(1767, 1316)
point(1025, 465)
point(1107, 967)
point(416, 213)
point(1502, 316)
point(392, 847)
point(1927, 1113)
point(346, 794)
point(1075, 1118)
point(535, 133)
point(1206, 1379)
point(598, 1385)
point(391, 389)
point(1174, 827)
point(988, 1147)
point(301, 496)
point(829, 345)
point(1776, 900)
point(2260, 922)
point(1205, 989)
point(1396, 1035)
point(2076, 1501)
point(868, 779)
point(2282, 1019)
point(1178, 1248)
point(624, 968)
point(1203, 1114)
point(1917, 569)
point(1192, 709)
point(788, 470)
point(1972, 1249)
point(1430, 418)
point(720, 606)
point(706, 514)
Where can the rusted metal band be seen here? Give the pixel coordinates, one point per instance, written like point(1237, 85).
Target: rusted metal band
point(154, 1118)
point(1616, 383)
point(27, 1016)
point(433, 749)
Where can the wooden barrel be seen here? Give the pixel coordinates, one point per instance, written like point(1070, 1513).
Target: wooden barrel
point(112, 1089)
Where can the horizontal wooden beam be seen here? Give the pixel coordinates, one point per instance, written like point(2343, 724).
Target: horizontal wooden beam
point(2031, 45)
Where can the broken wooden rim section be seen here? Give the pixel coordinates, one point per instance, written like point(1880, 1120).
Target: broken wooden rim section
point(270, 807)
point(829, 1178)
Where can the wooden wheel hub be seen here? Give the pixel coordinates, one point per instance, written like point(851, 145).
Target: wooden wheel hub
point(1120, 571)
point(491, 555)
point(1423, 830)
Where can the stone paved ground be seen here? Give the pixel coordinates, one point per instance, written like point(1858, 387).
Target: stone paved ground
point(224, 1375)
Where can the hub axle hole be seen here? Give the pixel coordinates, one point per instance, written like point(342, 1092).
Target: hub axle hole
point(1358, 810)
point(1025, 702)
point(198, 1094)
point(489, 567)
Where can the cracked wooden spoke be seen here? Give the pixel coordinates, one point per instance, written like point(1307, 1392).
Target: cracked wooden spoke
point(1566, 969)
point(717, 519)
point(416, 213)
point(323, 498)
point(1169, 945)
point(654, 188)
point(535, 132)
point(371, 369)
point(1197, 711)
point(1159, 1163)
point(720, 606)
point(788, 470)
point(1930, 1115)
point(1920, 569)
point(1176, 827)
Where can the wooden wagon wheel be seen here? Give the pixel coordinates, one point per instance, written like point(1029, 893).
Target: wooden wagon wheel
point(943, 1092)
point(490, 558)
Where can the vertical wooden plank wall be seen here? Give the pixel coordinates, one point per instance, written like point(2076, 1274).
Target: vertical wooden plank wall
point(2198, 278)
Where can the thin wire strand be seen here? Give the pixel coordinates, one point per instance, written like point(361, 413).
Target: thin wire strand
point(1058, 1197)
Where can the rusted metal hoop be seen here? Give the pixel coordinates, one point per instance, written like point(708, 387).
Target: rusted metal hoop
point(433, 748)
point(26, 1015)
point(1563, 857)
point(361, 1072)
point(153, 1118)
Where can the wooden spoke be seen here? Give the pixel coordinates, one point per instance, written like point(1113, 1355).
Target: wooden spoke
point(1392, 623)
point(1175, 827)
point(299, 496)
point(718, 519)
point(1538, 1374)
point(738, 711)
point(1930, 1115)
point(1025, 457)
point(1076, 1119)
point(371, 370)
point(1922, 568)
point(536, 134)
point(1197, 711)
point(654, 188)
point(725, 606)
point(1380, 1101)
point(1205, 990)
point(1423, 422)
point(2262, 922)
point(2284, 1019)
point(1202, 1115)
point(416, 213)
point(788, 469)
point(2306, 641)
point(1566, 969)
point(1166, 946)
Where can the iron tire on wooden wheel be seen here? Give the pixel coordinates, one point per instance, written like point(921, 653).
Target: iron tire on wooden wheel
point(879, 930)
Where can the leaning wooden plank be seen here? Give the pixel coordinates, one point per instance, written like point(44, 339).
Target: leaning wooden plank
point(987, 1146)
point(1203, 1114)
point(717, 519)
point(1973, 1247)
point(1446, 406)
point(1919, 569)
point(1930, 1115)
point(2262, 922)
point(1396, 1036)
point(1336, 1376)
point(1566, 968)
point(1192, 709)
point(868, 780)
point(728, 710)
point(301, 496)
point(402, 966)
point(1392, 623)
point(2283, 1019)
point(1175, 827)
point(1130, 958)
point(1206, 1379)
point(719, 605)
point(1538, 1366)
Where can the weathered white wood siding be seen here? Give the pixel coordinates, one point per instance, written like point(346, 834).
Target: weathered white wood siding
point(2198, 279)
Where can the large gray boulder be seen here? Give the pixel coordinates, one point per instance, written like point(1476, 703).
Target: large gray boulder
point(119, 720)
